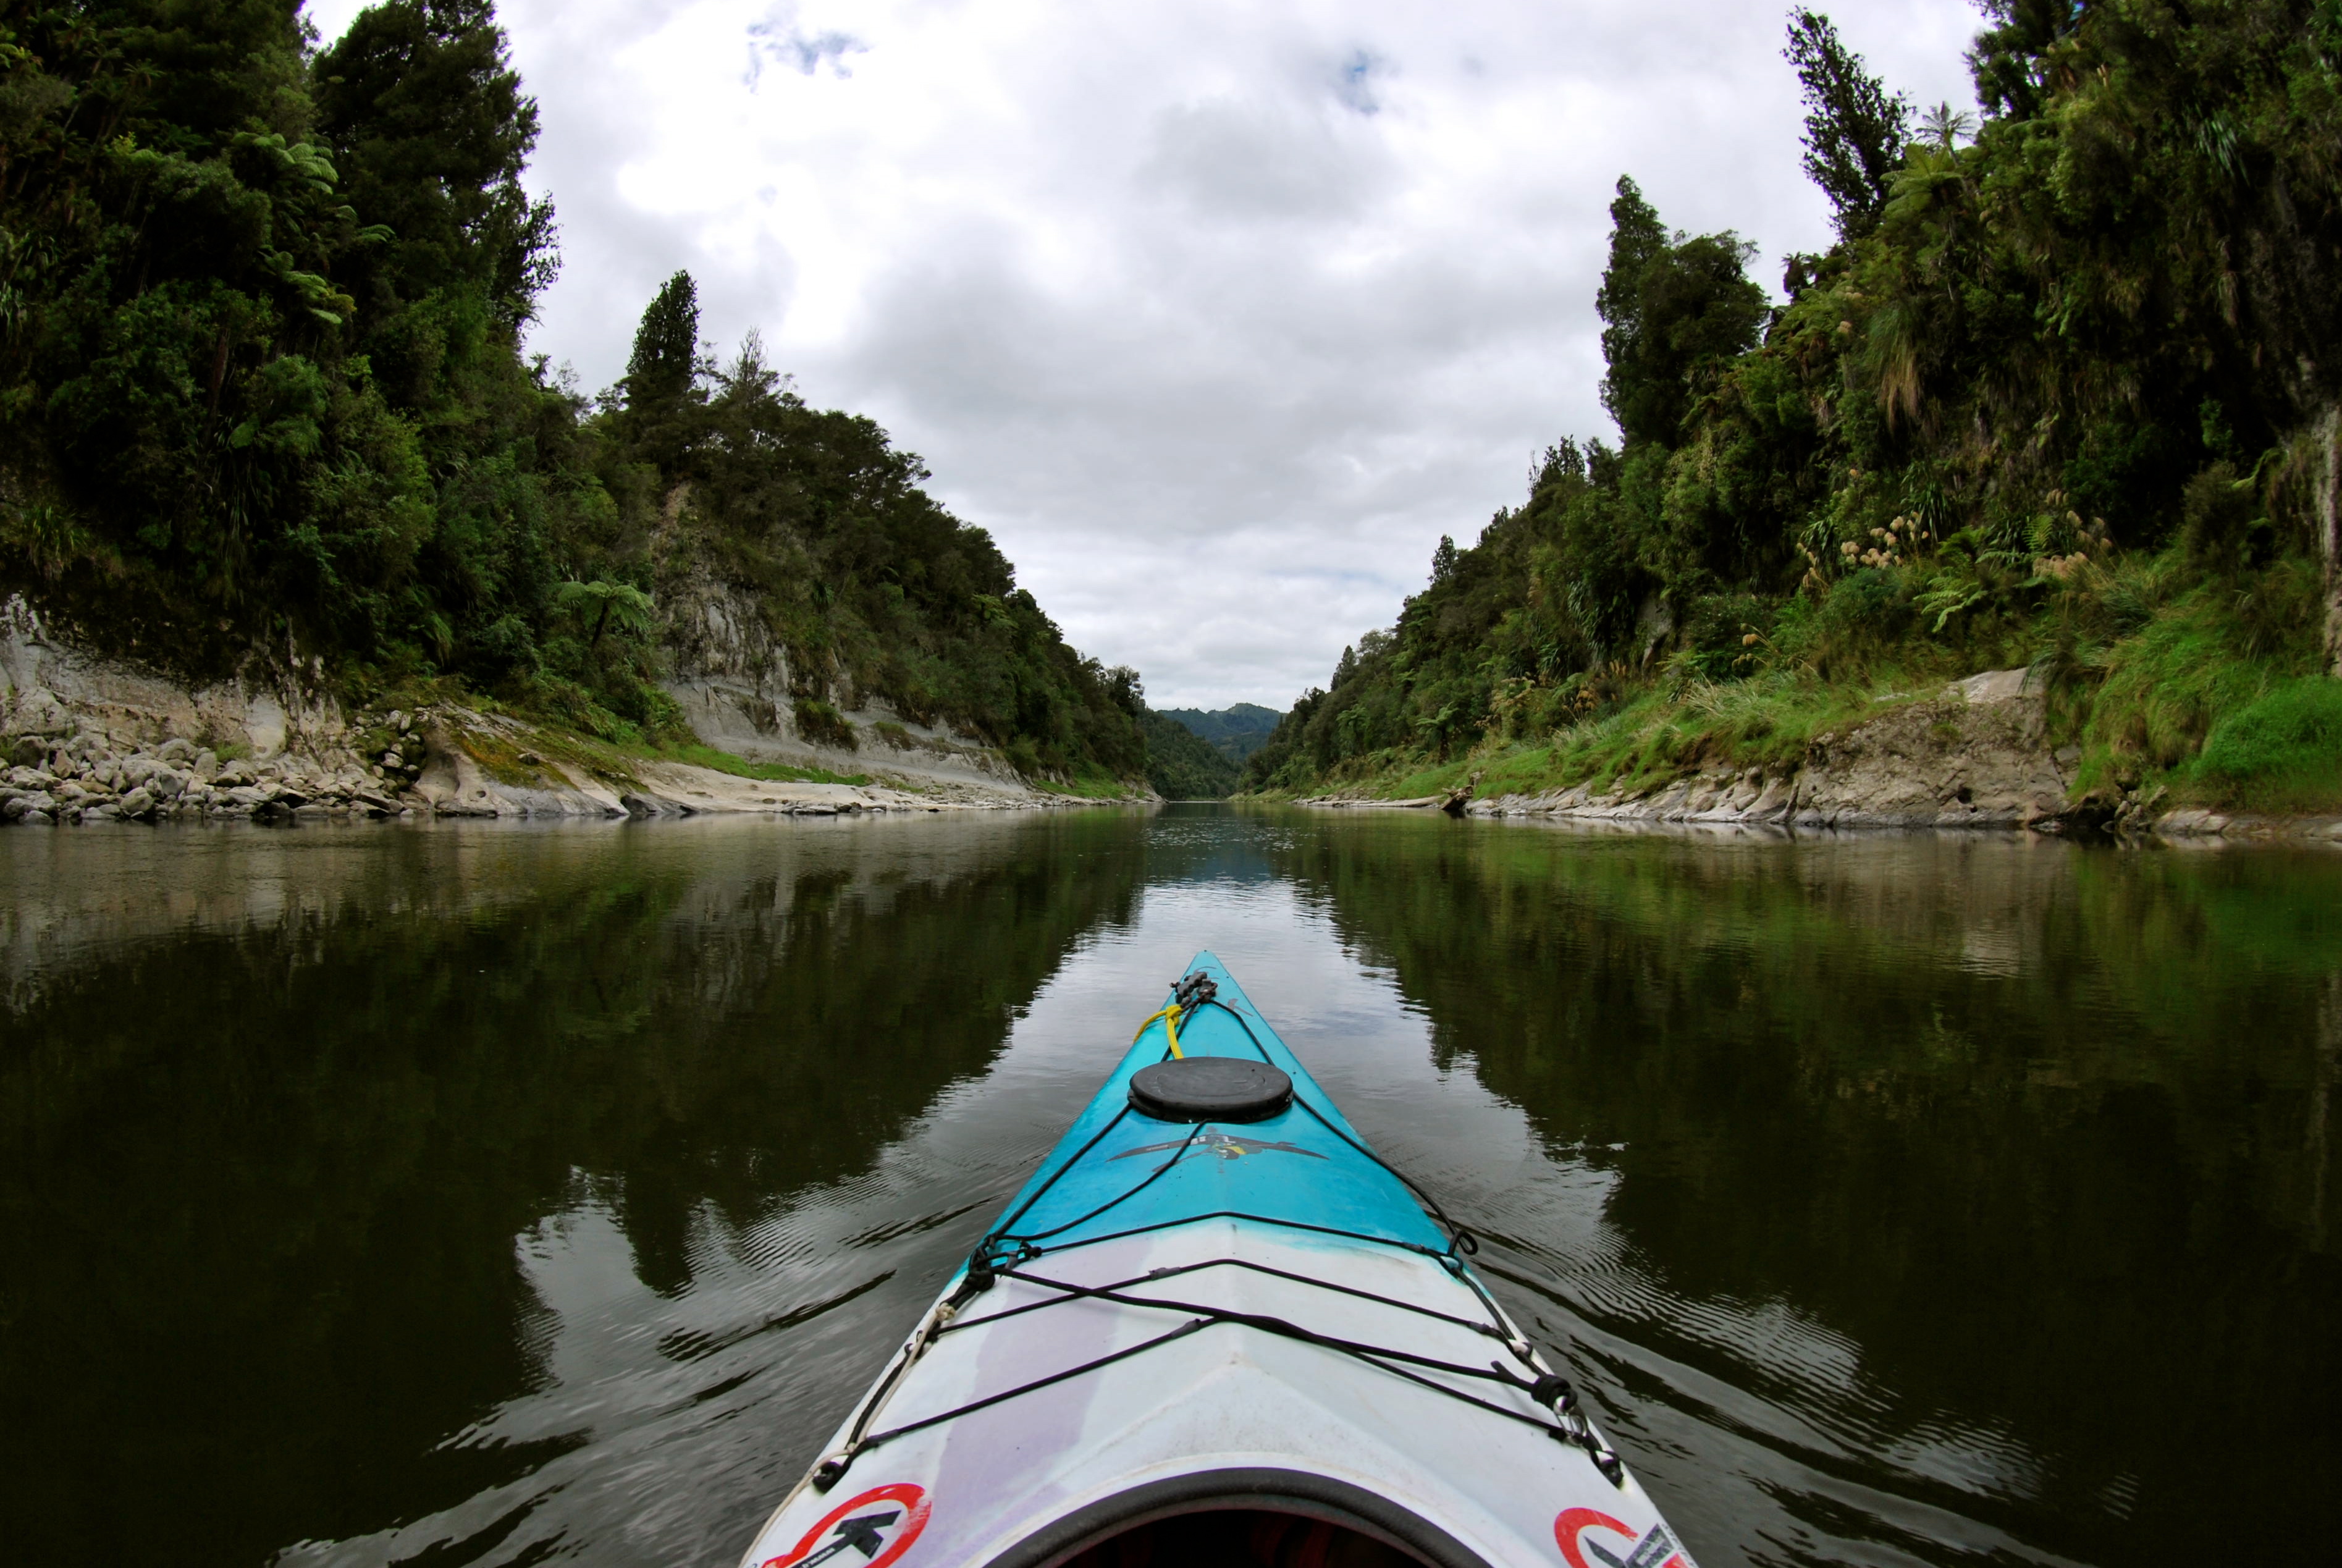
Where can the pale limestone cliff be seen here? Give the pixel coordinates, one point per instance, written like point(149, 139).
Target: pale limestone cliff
point(732, 680)
point(90, 739)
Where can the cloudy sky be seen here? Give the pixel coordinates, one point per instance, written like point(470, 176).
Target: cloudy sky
point(1217, 314)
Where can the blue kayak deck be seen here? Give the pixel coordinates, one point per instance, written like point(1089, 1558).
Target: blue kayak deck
point(1230, 1312)
point(1117, 1171)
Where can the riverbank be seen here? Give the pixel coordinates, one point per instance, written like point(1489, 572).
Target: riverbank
point(86, 739)
point(1978, 753)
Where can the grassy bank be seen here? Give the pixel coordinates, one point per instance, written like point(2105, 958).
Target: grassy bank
point(2022, 412)
point(2172, 687)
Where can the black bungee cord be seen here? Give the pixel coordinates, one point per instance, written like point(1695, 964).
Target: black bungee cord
point(1002, 1252)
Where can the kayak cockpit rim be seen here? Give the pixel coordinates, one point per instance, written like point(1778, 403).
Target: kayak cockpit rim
point(1269, 1491)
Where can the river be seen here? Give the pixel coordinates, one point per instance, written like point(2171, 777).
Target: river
point(506, 1194)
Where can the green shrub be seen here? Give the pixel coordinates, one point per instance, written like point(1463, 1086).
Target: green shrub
point(1716, 633)
point(2166, 687)
point(820, 723)
point(2281, 751)
point(1868, 606)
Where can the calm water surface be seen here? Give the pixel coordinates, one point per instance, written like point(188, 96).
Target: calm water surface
point(497, 1194)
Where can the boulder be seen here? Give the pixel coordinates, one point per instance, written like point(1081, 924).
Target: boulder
point(38, 713)
point(138, 803)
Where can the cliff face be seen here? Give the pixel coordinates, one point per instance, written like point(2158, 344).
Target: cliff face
point(50, 684)
point(92, 738)
point(732, 678)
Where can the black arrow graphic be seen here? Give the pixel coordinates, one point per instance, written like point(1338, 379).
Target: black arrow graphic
point(860, 1532)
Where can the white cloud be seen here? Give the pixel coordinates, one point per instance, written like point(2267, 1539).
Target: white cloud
point(778, 40)
point(1216, 313)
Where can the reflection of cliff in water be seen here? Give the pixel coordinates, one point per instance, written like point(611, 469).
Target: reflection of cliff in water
point(1988, 1109)
point(307, 1088)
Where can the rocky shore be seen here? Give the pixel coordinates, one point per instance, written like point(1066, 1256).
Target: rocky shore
point(90, 775)
point(1975, 756)
point(65, 767)
point(84, 739)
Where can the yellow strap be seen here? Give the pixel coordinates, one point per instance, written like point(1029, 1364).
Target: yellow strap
point(1170, 1016)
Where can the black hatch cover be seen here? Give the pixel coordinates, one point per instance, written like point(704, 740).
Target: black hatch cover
point(1210, 1089)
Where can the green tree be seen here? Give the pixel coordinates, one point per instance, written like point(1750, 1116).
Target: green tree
point(261, 387)
point(1855, 128)
point(1673, 312)
point(664, 406)
point(1944, 126)
point(424, 110)
point(603, 604)
point(2109, 322)
point(2008, 57)
point(428, 122)
point(1182, 764)
point(172, 400)
point(1636, 239)
point(667, 346)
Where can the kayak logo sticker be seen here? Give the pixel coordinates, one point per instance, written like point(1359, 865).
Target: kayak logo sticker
point(1657, 1550)
point(866, 1530)
point(1226, 1145)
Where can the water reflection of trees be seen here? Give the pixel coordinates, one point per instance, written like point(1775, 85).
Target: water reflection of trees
point(266, 1160)
point(2042, 1131)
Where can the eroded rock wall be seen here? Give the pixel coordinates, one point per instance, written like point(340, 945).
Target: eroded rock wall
point(732, 680)
point(89, 739)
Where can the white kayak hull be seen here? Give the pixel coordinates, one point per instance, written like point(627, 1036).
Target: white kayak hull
point(1021, 1425)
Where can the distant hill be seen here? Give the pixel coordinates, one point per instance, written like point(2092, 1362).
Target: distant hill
point(1235, 731)
point(1181, 765)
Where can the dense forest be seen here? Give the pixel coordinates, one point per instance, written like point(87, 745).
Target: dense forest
point(264, 394)
point(2063, 393)
point(1235, 731)
point(1198, 754)
point(1181, 765)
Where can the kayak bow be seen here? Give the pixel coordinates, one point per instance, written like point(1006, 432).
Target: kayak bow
point(1216, 1324)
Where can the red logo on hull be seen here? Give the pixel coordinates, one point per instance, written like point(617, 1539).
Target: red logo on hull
point(1655, 1550)
point(869, 1529)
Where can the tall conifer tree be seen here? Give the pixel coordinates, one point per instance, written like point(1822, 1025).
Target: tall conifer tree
point(1674, 311)
point(1855, 128)
point(666, 344)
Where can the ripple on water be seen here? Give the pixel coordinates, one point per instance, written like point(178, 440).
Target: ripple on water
point(553, 1195)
